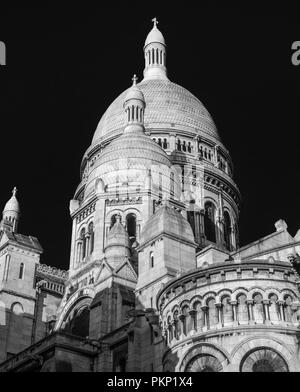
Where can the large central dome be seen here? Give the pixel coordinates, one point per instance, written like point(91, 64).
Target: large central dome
point(169, 106)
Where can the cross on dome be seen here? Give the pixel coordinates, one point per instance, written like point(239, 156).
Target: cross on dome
point(155, 22)
point(14, 191)
point(134, 80)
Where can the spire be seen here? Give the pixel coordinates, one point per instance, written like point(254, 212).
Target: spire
point(155, 54)
point(134, 105)
point(11, 213)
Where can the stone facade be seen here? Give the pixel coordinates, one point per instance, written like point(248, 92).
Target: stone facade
point(157, 279)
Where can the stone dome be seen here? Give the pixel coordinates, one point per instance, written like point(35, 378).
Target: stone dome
point(168, 107)
point(155, 36)
point(137, 147)
point(12, 205)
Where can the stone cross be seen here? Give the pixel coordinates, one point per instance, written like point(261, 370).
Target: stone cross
point(155, 22)
point(134, 79)
point(14, 191)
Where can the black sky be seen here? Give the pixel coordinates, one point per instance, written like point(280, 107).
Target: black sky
point(66, 65)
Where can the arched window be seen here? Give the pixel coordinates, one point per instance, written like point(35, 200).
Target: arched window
point(83, 240)
point(204, 363)
point(165, 144)
point(185, 320)
point(91, 233)
point(227, 313)
point(79, 325)
point(178, 145)
point(258, 308)
point(198, 316)
point(209, 221)
point(151, 260)
point(159, 142)
point(184, 146)
point(288, 308)
point(17, 308)
point(273, 309)
point(21, 271)
point(176, 325)
point(212, 313)
point(227, 230)
point(242, 309)
point(113, 220)
point(131, 225)
point(170, 329)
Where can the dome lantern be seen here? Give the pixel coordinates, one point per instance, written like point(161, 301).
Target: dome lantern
point(155, 54)
point(134, 105)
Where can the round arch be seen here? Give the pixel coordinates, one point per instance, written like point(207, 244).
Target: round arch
point(251, 343)
point(201, 350)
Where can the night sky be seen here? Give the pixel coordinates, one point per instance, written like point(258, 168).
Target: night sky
point(66, 65)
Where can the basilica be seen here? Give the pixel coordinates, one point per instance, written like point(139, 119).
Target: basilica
point(157, 281)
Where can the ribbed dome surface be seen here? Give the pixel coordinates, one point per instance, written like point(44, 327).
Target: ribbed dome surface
point(168, 106)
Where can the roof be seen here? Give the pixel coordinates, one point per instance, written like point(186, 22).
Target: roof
point(168, 107)
point(167, 220)
point(25, 240)
point(155, 36)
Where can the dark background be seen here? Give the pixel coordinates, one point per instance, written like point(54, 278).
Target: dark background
point(65, 65)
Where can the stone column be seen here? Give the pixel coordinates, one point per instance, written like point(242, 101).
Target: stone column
point(216, 155)
point(197, 226)
point(234, 305)
point(172, 138)
point(205, 321)
point(182, 320)
point(280, 305)
point(250, 310)
point(218, 305)
point(201, 225)
point(195, 145)
point(267, 314)
point(232, 237)
point(220, 220)
point(193, 314)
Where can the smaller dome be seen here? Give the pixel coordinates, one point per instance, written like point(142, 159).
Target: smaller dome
point(155, 36)
point(12, 205)
point(167, 220)
point(134, 92)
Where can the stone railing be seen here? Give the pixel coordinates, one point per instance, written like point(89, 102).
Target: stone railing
point(52, 271)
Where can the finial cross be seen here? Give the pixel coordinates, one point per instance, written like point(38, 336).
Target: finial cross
point(155, 22)
point(14, 191)
point(134, 79)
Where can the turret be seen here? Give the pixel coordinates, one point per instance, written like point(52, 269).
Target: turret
point(134, 106)
point(11, 214)
point(155, 54)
